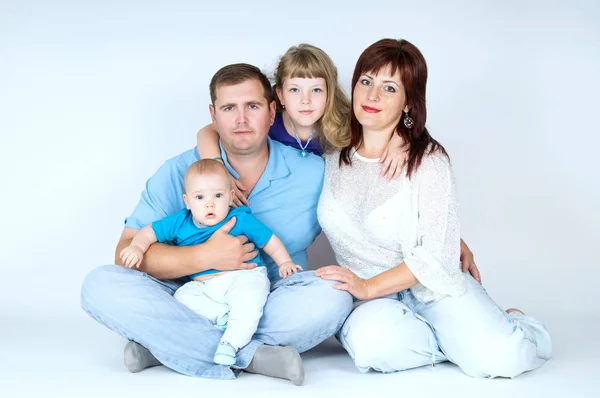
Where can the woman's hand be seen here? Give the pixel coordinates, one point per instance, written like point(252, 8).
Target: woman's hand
point(240, 193)
point(393, 158)
point(351, 283)
point(468, 262)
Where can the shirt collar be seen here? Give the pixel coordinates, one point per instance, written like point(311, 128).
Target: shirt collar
point(277, 167)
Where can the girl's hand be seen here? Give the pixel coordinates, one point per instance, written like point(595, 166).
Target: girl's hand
point(240, 193)
point(351, 283)
point(393, 160)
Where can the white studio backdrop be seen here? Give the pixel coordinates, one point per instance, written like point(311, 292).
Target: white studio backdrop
point(94, 96)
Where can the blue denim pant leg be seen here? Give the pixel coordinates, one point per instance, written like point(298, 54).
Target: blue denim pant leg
point(474, 333)
point(302, 310)
point(141, 308)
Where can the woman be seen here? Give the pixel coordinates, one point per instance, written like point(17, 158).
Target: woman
point(397, 242)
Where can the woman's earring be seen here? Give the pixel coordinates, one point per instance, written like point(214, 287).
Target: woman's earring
point(408, 121)
point(282, 106)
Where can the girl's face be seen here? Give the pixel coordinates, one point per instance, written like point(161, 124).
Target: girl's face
point(304, 99)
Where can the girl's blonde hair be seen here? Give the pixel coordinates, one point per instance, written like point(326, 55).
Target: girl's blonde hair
point(307, 61)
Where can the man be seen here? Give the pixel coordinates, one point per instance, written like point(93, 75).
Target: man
point(301, 311)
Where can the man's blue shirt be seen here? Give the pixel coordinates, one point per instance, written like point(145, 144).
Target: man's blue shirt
point(285, 197)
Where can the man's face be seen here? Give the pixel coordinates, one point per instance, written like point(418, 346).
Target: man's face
point(242, 116)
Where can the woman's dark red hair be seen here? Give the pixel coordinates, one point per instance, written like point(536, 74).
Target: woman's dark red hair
point(404, 57)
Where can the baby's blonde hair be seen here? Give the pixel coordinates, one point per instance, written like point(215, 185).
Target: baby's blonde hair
point(206, 166)
point(307, 61)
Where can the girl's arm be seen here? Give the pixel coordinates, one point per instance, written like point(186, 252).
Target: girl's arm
point(207, 141)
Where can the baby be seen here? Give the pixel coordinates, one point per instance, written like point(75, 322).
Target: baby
point(233, 300)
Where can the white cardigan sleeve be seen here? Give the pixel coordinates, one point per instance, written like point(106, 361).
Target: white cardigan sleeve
point(435, 259)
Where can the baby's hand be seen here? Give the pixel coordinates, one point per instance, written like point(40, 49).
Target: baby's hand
point(289, 268)
point(132, 256)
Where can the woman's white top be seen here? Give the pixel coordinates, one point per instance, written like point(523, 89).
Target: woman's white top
point(374, 225)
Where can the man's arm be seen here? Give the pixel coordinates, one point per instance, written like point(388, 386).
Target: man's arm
point(132, 255)
point(162, 261)
point(468, 262)
point(163, 197)
point(222, 251)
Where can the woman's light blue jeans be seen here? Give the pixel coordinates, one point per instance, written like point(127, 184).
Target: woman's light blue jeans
point(401, 332)
point(301, 311)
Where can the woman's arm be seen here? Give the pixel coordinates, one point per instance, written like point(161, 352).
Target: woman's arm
point(434, 260)
point(391, 281)
point(435, 257)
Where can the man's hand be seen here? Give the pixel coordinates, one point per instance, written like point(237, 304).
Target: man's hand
point(229, 253)
point(468, 262)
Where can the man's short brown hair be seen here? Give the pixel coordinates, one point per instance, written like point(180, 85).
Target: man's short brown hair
point(233, 74)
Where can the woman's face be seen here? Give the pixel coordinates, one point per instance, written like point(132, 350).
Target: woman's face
point(378, 99)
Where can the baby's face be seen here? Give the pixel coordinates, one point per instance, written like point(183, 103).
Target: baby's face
point(208, 196)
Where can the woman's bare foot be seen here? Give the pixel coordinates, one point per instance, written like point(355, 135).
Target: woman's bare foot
point(508, 311)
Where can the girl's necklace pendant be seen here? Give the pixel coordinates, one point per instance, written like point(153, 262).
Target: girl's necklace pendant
point(303, 151)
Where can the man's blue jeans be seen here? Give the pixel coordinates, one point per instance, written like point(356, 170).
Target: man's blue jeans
point(301, 311)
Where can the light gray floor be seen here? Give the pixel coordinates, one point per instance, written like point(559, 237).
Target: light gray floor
point(50, 348)
point(69, 355)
